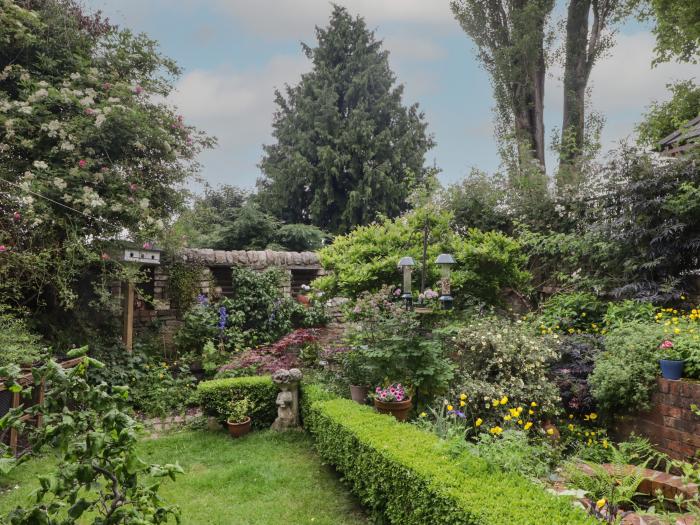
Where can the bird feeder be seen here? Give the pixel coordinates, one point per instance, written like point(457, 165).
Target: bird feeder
point(445, 261)
point(406, 265)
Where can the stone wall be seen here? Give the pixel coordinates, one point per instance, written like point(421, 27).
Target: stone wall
point(298, 267)
point(670, 424)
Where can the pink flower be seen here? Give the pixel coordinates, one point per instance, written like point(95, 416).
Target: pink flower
point(666, 344)
point(147, 245)
point(133, 186)
point(82, 163)
point(397, 292)
point(2, 248)
point(106, 86)
point(138, 89)
point(89, 111)
point(16, 216)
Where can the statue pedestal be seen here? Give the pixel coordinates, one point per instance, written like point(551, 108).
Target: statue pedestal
point(287, 399)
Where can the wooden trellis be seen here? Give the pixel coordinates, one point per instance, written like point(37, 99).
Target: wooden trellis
point(14, 400)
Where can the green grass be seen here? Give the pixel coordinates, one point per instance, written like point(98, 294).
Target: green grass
point(265, 478)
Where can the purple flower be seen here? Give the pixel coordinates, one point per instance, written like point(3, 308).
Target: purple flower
point(202, 299)
point(397, 292)
point(223, 317)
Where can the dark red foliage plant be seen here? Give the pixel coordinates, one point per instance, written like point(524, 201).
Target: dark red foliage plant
point(268, 358)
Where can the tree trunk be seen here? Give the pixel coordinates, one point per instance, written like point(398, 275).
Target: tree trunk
point(576, 73)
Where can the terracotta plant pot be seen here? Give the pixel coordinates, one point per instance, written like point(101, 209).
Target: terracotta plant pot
point(238, 429)
point(398, 409)
point(359, 393)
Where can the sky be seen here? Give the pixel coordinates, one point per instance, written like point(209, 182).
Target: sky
point(234, 53)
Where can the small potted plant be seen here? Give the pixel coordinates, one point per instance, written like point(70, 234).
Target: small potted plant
point(393, 400)
point(237, 419)
point(671, 361)
point(357, 374)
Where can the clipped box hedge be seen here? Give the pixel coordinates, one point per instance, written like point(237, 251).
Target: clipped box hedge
point(215, 395)
point(404, 474)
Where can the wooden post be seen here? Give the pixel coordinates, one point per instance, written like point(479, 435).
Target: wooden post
point(14, 435)
point(128, 334)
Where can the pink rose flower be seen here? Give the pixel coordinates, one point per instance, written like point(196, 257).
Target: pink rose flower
point(2, 248)
point(667, 344)
point(16, 216)
point(82, 163)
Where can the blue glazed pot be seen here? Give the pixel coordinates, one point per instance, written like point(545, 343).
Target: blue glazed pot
point(671, 369)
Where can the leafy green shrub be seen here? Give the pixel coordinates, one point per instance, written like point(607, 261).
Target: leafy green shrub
point(156, 388)
point(395, 347)
point(625, 372)
point(257, 314)
point(366, 258)
point(513, 451)
point(214, 397)
point(497, 357)
point(99, 473)
point(404, 475)
point(627, 311)
point(575, 312)
point(18, 345)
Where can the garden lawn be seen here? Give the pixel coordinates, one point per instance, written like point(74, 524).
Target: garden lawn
point(264, 478)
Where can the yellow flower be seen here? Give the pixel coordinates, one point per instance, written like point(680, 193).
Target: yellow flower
point(463, 396)
point(496, 430)
point(528, 425)
point(462, 403)
point(478, 422)
point(449, 407)
point(513, 412)
point(571, 427)
point(531, 412)
point(423, 414)
point(520, 421)
point(571, 416)
point(600, 503)
point(593, 416)
point(495, 402)
point(507, 418)
point(605, 443)
point(533, 404)
point(504, 400)
point(550, 431)
point(676, 330)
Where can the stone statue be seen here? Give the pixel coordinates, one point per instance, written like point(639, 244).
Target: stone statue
point(287, 399)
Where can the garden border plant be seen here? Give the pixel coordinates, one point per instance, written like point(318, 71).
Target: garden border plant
point(214, 396)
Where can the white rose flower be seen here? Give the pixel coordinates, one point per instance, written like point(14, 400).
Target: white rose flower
point(40, 165)
point(67, 146)
point(59, 183)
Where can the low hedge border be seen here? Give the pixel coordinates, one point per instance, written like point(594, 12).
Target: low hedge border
point(404, 474)
point(213, 396)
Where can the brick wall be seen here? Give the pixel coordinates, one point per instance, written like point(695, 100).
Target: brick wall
point(670, 424)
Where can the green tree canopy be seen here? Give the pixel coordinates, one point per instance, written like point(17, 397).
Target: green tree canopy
point(663, 118)
point(346, 148)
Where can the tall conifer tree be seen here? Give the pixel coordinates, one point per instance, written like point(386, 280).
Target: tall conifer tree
point(346, 148)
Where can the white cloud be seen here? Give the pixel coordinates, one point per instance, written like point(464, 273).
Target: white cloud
point(237, 107)
point(623, 84)
point(294, 18)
